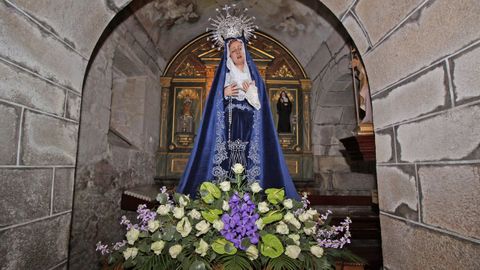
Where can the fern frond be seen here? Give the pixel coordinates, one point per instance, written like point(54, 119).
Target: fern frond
point(155, 262)
point(238, 261)
point(344, 255)
point(283, 263)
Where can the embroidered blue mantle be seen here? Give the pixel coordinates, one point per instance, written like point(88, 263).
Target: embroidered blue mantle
point(252, 129)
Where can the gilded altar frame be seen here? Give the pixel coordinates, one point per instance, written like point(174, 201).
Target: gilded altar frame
point(193, 67)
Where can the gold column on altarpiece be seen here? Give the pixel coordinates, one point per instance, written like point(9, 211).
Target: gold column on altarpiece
point(165, 83)
point(306, 86)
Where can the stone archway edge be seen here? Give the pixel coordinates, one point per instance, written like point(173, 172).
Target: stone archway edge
point(44, 53)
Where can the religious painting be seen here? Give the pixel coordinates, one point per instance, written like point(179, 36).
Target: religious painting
point(187, 108)
point(284, 109)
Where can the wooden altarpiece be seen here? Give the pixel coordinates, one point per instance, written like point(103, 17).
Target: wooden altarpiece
point(185, 85)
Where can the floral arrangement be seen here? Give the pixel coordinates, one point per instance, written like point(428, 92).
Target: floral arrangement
point(233, 225)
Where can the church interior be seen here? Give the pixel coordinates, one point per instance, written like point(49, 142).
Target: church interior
point(100, 102)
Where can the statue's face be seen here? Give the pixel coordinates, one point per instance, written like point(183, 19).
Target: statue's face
point(236, 52)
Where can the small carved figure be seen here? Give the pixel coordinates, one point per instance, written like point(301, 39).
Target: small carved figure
point(364, 92)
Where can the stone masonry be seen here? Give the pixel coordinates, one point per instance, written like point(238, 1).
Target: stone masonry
point(118, 139)
point(333, 118)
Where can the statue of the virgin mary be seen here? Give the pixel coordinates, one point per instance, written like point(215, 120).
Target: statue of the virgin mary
point(237, 125)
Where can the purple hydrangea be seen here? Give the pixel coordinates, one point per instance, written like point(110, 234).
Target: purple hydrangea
point(240, 222)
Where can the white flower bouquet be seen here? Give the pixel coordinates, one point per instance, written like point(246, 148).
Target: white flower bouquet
point(232, 225)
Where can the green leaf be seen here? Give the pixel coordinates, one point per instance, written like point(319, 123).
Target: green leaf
point(271, 246)
point(211, 215)
point(154, 262)
point(275, 195)
point(198, 265)
point(209, 192)
point(272, 216)
point(237, 262)
point(230, 248)
point(219, 246)
point(245, 242)
point(169, 232)
point(111, 259)
point(208, 198)
point(286, 263)
point(162, 198)
point(310, 224)
point(157, 236)
point(129, 263)
point(222, 246)
point(143, 247)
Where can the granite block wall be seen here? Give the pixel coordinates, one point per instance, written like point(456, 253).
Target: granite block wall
point(421, 62)
point(42, 64)
point(334, 118)
point(118, 137)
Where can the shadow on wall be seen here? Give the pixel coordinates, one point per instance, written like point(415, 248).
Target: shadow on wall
point(334, 117)
point(118, 134)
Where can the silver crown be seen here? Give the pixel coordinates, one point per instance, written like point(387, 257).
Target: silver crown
point(229, 25)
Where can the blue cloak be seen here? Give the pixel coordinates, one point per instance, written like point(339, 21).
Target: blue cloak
point(209, 158)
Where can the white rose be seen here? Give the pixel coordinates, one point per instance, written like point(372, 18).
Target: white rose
point(225, 206)
point(163, 210)
point(310, 231)
point(194, 214)
point(157, 247)
point(290, 218)
point(202, 227)
point(252, 252)
point(295, 238)
point(282, 228)
point(184, 227)
point(317, 251)
point(218, 224)
point(292, 251)
point(175, 250)
point(312, 212)
point(304, 217)
point(153, 225)
point(183, 201)
point(130, 253)
point(259, 224)
point(238, 168)
point(225, 186)
point(295, 223)
point(178, 212)
point(288, 203)
point(132, 236)
point(202, 248)
point(263, 207)
point(255, 187)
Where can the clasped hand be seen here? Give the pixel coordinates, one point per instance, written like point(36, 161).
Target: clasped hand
point(232, 89)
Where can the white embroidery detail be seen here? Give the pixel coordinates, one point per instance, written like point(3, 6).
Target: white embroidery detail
point(220, 152)
point(243, 107)
point(254, 171)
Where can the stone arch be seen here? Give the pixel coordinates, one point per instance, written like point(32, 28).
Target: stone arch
point(424, 86)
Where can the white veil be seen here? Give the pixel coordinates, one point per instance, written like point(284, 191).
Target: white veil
point(252, 94)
